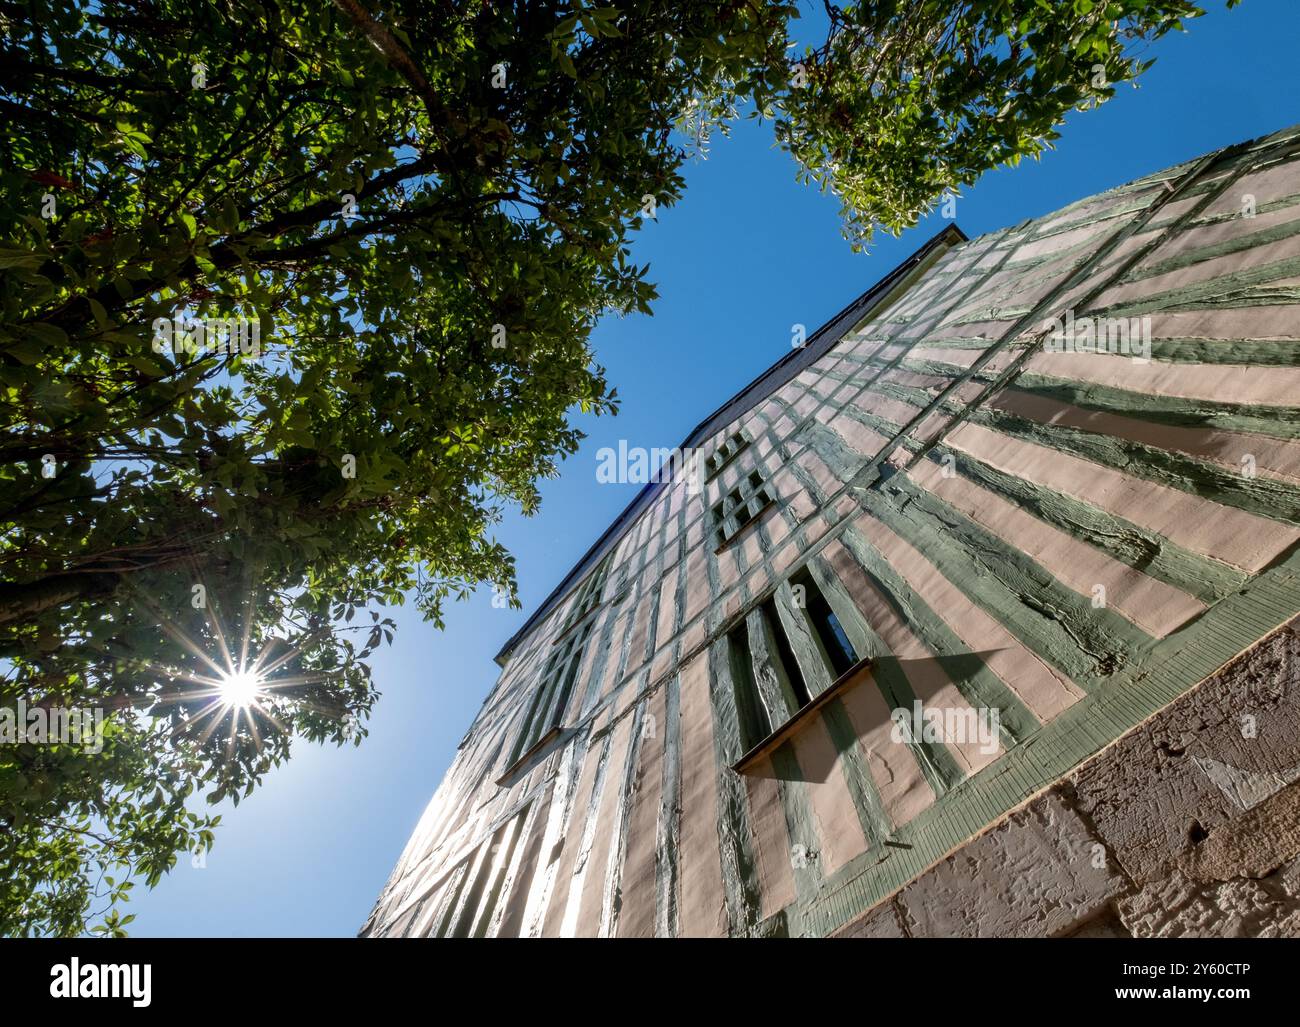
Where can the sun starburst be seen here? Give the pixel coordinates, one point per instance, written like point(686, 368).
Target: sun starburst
point(239, 687)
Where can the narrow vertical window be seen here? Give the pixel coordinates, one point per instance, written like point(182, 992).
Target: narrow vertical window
point(551, 699)
point(775, 678)
point(560, 671)
point(827, 625)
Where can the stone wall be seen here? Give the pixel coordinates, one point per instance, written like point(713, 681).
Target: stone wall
point(1189, 825)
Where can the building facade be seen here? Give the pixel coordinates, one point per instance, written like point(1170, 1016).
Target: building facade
point(973, 618)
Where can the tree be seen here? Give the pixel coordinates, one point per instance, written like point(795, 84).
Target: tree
point(296, 299)
point(910, 99)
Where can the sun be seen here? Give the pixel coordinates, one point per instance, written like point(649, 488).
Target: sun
point(238, 683)
point(240, 689)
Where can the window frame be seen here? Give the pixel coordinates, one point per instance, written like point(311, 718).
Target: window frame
point(768, 676)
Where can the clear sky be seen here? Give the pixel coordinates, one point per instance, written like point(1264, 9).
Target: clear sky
point(744, 256)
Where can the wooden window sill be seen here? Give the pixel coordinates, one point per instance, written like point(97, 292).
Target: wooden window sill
point(563, 636)
point(533, 750)
point(796, 723)
point(762, 512)
point(726, 463)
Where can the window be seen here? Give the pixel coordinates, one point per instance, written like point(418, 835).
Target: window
point(561, 667)
point(740, 507)
point(784, 655)
point(769, 686)
point(552, 696)
point(726, 452)
point(587, 595)
point(830, 632)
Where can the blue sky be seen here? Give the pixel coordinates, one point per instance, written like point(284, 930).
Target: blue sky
point(744, 256)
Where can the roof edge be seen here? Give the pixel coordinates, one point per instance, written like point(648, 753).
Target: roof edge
point(817, 345)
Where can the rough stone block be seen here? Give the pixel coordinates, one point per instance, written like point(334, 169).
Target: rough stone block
point(1199, 764)
point(882, 922)
point(1040, 872)
point(1177, 907)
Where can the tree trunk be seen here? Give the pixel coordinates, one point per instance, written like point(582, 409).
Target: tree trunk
point(21, 601)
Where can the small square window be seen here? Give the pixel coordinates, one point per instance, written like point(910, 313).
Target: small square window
point(726, 452)
point(741, 507)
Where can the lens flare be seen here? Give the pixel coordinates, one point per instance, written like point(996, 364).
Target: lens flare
point(240, 689)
